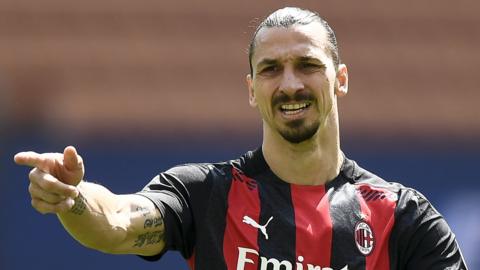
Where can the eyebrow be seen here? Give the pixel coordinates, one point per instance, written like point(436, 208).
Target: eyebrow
point(267, 62)
point(310, 59)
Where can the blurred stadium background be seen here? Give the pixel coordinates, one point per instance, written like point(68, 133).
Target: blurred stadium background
point(139, 86)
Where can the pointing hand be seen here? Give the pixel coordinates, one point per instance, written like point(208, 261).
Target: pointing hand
point(53, 178)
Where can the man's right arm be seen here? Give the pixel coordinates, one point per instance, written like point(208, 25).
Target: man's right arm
point(97, 218)
point(111, 223)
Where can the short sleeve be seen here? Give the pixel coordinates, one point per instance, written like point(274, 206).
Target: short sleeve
point(173, 193)
point(421, 237)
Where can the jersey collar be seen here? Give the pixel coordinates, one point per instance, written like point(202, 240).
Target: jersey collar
point(253, 163)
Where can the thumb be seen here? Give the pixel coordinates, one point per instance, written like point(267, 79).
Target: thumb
point(71, 160)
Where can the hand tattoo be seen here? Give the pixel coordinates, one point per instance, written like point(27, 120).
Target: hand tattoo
point(79, 206)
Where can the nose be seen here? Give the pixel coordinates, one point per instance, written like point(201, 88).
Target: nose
point(290, 83)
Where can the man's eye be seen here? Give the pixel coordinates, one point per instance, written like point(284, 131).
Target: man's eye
point(309, 66)
point(269, 69)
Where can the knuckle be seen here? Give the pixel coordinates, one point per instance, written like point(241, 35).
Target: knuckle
point(35, 204)
point(31, 189)
point(32, 174)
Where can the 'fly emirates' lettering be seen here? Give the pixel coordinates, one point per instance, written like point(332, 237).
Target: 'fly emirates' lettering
point(243, 258)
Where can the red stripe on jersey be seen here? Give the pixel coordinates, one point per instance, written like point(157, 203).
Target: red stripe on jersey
point(191, 261)
point(379, 212)
point(313, 224)
point(243, 203)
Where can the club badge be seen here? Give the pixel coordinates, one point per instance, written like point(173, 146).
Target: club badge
point(364, 238)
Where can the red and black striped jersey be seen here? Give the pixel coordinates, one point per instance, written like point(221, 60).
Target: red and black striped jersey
point(240, 215)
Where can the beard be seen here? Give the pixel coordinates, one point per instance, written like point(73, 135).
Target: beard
point(297, 131)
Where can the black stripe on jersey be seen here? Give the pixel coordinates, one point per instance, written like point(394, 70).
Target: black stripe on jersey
point(345, 212)
point(276, 202)
point(205, 258)
point(421, 238)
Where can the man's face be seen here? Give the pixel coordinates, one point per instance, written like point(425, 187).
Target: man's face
point(294, 80)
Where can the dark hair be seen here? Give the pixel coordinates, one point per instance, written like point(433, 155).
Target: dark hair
point(289, 16)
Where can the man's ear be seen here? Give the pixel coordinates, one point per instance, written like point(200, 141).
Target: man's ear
point(251, 92)
point(341, 88)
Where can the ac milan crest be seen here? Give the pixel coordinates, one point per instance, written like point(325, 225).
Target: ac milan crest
point(364, 238)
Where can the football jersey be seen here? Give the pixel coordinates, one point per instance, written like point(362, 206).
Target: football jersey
point(240, 215)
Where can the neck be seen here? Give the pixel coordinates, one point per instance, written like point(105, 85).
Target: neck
point(312, 162)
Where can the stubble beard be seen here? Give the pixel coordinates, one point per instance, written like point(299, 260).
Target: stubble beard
point(298, 131)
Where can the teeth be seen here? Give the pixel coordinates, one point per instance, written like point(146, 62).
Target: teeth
point(297, 106)
point(291, 112)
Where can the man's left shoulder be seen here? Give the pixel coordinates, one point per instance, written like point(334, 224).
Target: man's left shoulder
point(371, 184)
point(373, 187)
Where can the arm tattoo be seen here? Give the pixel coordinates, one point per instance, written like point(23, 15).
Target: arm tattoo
point(143, 210)
point(153, 222)
point(79, 206)
point(149, 238)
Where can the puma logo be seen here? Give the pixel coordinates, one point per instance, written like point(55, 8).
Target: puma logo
point(253, 223)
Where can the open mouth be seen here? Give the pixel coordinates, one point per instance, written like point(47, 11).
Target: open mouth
point(295, 108)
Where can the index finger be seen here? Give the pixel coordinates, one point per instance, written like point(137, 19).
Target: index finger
point(30, 158)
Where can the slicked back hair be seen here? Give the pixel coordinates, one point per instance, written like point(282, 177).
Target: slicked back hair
point(290, 16)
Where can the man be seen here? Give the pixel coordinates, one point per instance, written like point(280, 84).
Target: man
point(295, 203)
